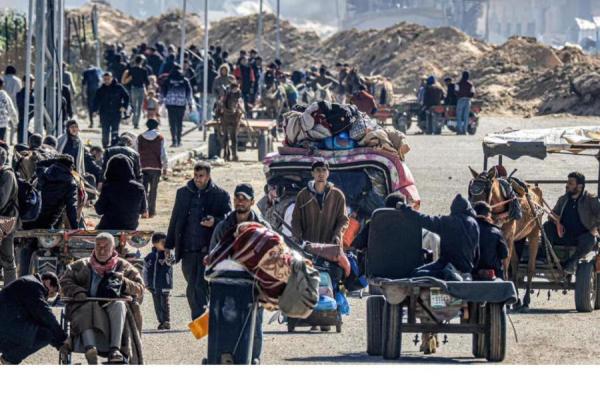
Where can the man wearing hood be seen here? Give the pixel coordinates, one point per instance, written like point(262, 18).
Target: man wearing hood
point(466, 92)
point(199, 206)
point(222, 82)
point(177, 94)
point(28, 324)
point(122, 199)
point(8, 209)
point(70, 143)
point(153, 159)
point(124, 147)
point(320, 211)
point(459, 234)
point(110, 101)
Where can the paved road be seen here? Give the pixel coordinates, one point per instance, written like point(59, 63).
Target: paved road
point(551, 333)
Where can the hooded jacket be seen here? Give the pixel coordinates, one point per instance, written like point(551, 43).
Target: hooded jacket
point(324, 225)
point(459, 233)
point(212, 201)
point(129, 152)
point(221, 83)
point(492, 247)
point(59, 194)
point(122, 199)
point(177, 91)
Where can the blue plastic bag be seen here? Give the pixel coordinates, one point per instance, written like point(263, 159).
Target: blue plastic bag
point(326, 303)
point(338, 142)
point(342, 303)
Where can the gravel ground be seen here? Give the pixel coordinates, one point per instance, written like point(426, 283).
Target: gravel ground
point(551, 333)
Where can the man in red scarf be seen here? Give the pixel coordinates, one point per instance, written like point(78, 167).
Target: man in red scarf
point(97, 327)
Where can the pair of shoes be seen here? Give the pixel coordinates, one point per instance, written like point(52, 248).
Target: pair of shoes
point(91, 355)
point(570, 267)
point(166, 325)
point(115, 356)
point(255, 362)
point(4, 362)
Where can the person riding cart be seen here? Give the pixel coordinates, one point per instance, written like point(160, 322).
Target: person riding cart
point(493, 248)
point(99, 327)
point(574, 221)
point(459, 236)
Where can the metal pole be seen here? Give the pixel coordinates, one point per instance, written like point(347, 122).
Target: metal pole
point(51, 87)
point(40, 57)
point(260, 28)
point(23, 133)
point(182, 51)
point(96, 34)
point(60, 60)
point(205, 85)
point(278, 33)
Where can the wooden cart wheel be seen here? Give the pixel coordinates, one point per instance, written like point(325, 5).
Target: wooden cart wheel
point(585, 287)
point(392, 331)
point(375, 305)
point(495, 332)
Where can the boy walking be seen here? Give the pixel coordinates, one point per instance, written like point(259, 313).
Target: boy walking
point(158, 277)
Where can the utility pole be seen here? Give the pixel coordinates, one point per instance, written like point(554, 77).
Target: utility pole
point(96, 34)
point(278, 34)
point(182, 51)
point(40, 56)
point(60, 44)
point(23, 132)
point(205, 85)
point(260, 28)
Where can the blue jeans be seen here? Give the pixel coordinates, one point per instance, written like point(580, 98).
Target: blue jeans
point(463, 110)
point(137, 100)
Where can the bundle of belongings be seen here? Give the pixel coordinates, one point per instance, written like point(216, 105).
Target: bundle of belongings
point(285, 281)
point(332, 126)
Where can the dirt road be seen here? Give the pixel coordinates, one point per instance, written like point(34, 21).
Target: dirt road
point(551, 333)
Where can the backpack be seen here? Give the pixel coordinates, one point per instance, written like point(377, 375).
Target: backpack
point(29, 201)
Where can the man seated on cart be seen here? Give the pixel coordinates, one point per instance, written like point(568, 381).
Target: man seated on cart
point(493, 248)
point(459, 234)
point(574, 221)
point(98, 327)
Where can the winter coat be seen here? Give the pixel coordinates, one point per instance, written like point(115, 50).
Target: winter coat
point(13, 85)
point(588, 208)
point(245, 75)
point(459, 233)
point(451, 98)
point(59, 192)
point(493, 248)
point(8, 192)
point(24, 310)
point(177, 90)
point(222, 83)
point(158, 273)
point(465, 89)
point(122, 199)
point(433, 95)
point(230, 223)
point(214, 201)
point(154, 62)
point(79, 159)
point(110, 99)
point(8, 113)
point(90, 315)
point(130, 153)
point(92, 167)
point(92, 79)
point(153, 154)
point(320, 225)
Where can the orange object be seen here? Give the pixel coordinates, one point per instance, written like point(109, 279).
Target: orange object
point(351, 232)
point(199, 327)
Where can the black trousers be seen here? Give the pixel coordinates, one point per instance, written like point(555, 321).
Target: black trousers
point(583, 243)
point(176, 114)
point(15, 353)
point(161, 305)
point(197, 287)
point(3, 133)
point(151, 180)
point(110, 129)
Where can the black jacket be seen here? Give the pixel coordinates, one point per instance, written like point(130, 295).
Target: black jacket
point(214, 202)
point(139, 76)
point(59, 194)
point(92, 167)
point(130, 153)
point(154, 62)
point(459, 233)
point(158, 274)
point(492, 247)
point(122, 199)
point(434, 95)
point(24, 309)
point(109, 99)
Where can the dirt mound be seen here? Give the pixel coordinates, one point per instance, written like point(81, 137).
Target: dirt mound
point(167, 28)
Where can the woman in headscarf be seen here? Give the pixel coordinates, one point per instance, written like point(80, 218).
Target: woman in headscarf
point(70, 143)
point(122, 199)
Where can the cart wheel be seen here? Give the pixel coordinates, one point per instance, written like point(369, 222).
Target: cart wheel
point(477, 316)
point(374, 323)
point(597, 302)
point(585, 287)
point(495, 332)
point(392, 331)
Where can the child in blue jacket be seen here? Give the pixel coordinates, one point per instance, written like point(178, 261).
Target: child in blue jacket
point(158, 277)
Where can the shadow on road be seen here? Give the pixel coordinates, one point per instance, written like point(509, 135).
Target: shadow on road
point(165, 331)
point(364, 358)
point(539, 311)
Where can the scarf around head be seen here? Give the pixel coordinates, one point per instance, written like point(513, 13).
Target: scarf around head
point(101, 268)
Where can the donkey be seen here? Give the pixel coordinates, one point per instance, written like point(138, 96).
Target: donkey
point(275, 101)
point(487, 187)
